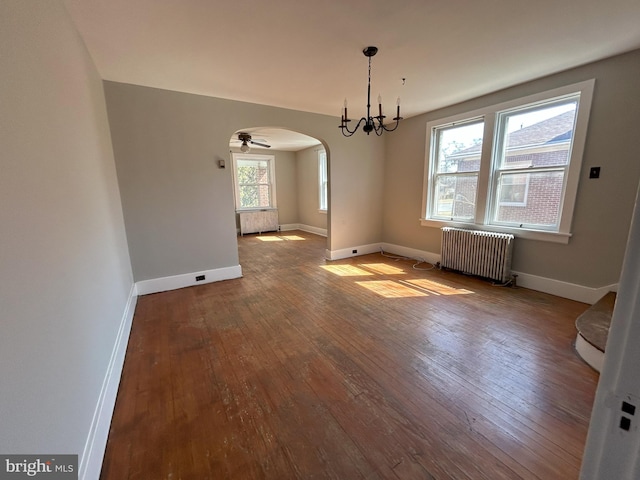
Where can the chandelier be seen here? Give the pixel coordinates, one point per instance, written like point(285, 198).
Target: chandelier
point(371, 124)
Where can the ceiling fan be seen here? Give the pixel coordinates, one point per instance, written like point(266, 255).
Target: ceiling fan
point(245, 138)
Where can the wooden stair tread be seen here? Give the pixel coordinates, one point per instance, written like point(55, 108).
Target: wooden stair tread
point(594, 324)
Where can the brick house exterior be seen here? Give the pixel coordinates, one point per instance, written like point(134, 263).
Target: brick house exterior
point(524, 197)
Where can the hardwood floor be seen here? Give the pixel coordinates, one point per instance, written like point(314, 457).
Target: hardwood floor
point(361, 368)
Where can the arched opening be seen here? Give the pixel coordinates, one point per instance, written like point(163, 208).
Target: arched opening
point(280, 184)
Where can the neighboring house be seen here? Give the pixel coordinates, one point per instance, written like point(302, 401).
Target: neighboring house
point(533, 197)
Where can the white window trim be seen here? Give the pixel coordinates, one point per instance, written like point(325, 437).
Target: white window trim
point(272, 175)
point(489, 114)
point(320, 185)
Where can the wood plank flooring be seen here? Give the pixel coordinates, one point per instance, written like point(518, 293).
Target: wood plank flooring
point(360, 368)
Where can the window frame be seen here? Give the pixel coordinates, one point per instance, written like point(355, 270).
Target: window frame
point(271, 160)
point(487, 181)
point(323, 181)
point(435, 174)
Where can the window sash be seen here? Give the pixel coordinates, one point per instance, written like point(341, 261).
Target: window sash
point(322, 180)
point(487, 201)
point(254, 189)
point(450, 142)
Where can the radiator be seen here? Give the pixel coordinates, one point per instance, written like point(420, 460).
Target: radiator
point(486, 254)
point(258, 221)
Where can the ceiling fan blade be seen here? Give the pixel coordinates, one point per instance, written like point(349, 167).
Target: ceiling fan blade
point(260, 144)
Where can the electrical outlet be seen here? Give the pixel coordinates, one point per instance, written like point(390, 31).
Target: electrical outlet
point(594, 172)
point(199, 278)
point(354, 251)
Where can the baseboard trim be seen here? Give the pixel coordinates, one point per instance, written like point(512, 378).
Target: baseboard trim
point(349, 252)
point(308, 228)
point(423, 255)
point(94, 449)
point(163, 284)
point(305, 228)
point(572, 291)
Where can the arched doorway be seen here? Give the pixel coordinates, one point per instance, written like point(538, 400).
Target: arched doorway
point(281, 181)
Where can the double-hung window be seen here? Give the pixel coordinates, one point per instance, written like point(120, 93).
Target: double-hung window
point(511, 167)
point(254, 180)
point(322, 180)
point(456, 158)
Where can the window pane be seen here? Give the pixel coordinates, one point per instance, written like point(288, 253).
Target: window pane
point(254, 196)
point(459, 148)
point(253, 171)
point(322, 179)
point(530, 198)
point(455, 196)
point(513, 189)
point(539, 137)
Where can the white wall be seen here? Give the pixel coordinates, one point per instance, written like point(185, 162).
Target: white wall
point(612, 452)
point(65, 274)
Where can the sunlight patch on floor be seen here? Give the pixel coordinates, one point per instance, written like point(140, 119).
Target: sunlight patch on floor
point(346, 270)
point(438, 288)
point(383, 268)
point(391, 289)
point(280, 238)
point(270, 239)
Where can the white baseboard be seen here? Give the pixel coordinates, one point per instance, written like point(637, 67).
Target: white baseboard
point(285, 227)
point(572, 291)
point(305, 228)
point(352, 251)
point(174, 282)
point(93, 454)
point(308, 228)
point(429, 257)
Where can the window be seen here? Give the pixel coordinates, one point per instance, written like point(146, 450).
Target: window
point(457, 164)
point(254, 177)
point(511, 167)
point(322, 179)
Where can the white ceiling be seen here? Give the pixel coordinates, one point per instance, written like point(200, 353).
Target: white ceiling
point(307, 55)
point(276, 138)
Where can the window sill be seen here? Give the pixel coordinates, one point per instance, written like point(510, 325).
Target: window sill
point(540, 235)
point(322, 211)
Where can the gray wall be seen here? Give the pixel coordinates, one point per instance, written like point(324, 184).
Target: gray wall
point(603, 209)
point(308, 188)
point(65, 274)
point(286, 187)
point(178, 206)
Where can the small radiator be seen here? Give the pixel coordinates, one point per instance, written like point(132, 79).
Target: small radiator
point(258, 221)
point(486, 254)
